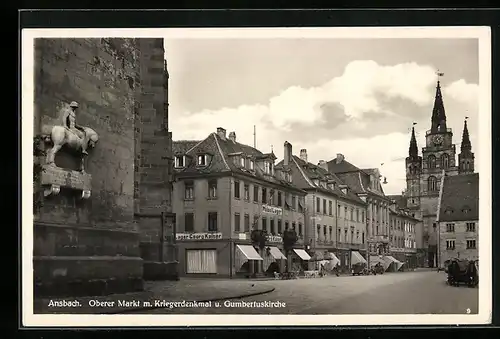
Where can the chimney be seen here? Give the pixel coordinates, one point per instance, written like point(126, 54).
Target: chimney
point(303, 154)
point(340, 158)
point(232, 137)
point(287, 154)
point(323, 165)
point(221, 132)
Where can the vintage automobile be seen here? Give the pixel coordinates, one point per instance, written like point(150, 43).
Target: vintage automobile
point(446, 264)
point(377, 269)
point(359, 269)
point(462, 271)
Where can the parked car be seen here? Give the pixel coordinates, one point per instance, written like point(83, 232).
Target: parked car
point(446, 264)
point(462, 271)
point(359, 269)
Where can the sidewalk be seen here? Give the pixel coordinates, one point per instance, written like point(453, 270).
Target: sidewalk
point(155, 295)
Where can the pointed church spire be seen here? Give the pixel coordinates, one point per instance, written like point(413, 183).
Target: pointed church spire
point(438, 121)
point(466, 145)
point(466, 157)
point(413, 150)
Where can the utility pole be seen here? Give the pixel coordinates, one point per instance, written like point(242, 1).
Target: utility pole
point(254, 137)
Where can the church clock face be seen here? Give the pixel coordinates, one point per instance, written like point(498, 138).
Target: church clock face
point(438, 139)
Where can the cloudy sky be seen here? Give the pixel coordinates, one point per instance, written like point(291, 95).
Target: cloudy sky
point(358, 97)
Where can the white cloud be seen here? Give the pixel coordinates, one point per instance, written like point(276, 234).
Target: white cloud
point(358, 90)
point(463, 93)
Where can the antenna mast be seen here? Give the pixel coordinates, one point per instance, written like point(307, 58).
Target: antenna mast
point(254, 138)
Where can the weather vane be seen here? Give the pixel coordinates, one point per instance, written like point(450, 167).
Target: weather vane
point(439, 74)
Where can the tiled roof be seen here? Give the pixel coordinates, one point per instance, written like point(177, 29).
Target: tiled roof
point(341, 167)
point(221, 150)
point(356, 178)
point(182, 146)
point(460, 198)
point(312, 172)
point(401, 201)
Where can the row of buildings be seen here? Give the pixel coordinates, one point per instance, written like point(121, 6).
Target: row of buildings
point(225, 190)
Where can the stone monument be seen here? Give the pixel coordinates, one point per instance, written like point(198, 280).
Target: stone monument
point(77, 139)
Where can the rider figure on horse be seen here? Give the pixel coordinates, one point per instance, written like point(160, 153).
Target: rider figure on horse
point(70, 123)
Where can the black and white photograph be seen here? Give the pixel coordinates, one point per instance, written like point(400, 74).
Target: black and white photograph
point(297, 176)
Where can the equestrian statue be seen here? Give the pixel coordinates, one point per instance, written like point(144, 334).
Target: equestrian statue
point(78, 138)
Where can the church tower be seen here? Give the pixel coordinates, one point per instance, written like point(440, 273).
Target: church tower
point(438, 159)
point(466, 157)
point(413, 172)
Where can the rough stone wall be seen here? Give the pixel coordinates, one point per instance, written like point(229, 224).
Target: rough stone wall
point(153, 182)
point(92, 246)
point(460, 236)
point(102, 75)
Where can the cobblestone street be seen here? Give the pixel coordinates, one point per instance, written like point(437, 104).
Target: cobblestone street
point(423, 292)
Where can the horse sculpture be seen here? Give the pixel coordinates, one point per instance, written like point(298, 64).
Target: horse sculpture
point(62, 135)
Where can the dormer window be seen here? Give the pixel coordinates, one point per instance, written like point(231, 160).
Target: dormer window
point(252, 164)
point(242, 162)
point(267, 167)
point(180, 161)
point(202, 160)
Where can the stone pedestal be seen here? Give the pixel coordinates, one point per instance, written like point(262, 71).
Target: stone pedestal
point(54, 178)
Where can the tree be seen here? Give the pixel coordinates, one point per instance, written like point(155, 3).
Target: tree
point(37, 171)
point(289, 240)
point(259, 238)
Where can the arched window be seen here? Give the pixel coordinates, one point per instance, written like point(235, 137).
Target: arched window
point(432, 184)
point(431, 161)
point(444, 161)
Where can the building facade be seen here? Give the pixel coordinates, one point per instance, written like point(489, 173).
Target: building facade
point(424, 173)
point(335, 215)
point(109, 96)
point(223, 191)
point(458, 221)
point(403, 230)
point(365, 183)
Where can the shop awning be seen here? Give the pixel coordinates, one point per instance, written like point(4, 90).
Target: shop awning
point(302, 254)
point(276, 253)
point(249, 252)
point(357, 258)
point(333, 259)
point(390, 259)
point(375, 259)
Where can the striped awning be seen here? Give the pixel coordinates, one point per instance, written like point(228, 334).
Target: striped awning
point(357, 258)
point(302, 254)
point(249, 252)
point(276, 253)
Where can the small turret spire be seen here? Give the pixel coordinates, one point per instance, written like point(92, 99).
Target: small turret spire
point(466, 144)
point(466, 157)
point(438, 120)
point(413, 150)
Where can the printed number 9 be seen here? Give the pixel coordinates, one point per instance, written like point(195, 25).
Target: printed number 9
point(467, 311)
